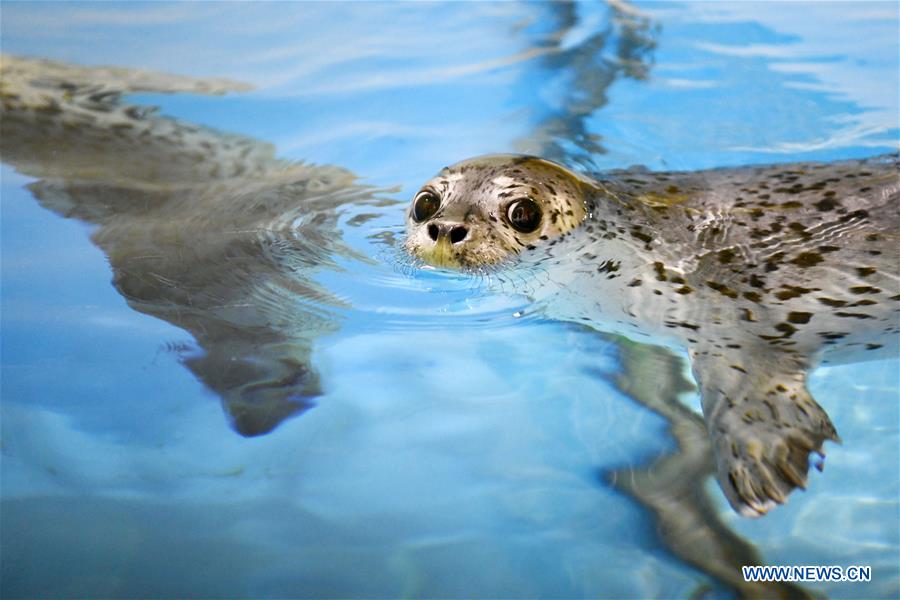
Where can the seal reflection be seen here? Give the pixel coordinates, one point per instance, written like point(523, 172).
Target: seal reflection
point(205, 230)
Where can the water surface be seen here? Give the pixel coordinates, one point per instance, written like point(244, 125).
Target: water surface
point(455, 444)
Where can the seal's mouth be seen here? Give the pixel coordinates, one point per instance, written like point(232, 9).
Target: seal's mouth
point(441, 254)
point(444, 254)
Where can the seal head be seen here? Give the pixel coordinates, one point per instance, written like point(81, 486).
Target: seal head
point(484, 210)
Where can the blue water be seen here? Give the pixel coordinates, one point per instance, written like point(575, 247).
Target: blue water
point(456, 449)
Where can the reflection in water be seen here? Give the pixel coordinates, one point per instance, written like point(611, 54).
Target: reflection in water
point(584, 72)
point(205, 230)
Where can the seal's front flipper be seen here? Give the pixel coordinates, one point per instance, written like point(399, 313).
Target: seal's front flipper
point(762, 421)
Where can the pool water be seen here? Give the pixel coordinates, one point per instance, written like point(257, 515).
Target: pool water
point(460, 446)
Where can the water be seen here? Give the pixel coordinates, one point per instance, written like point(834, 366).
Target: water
point(456, 449)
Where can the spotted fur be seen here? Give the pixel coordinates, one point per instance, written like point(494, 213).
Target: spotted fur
point(762, 272)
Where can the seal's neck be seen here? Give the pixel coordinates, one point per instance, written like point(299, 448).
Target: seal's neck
point(606, 270)
point(621, 226)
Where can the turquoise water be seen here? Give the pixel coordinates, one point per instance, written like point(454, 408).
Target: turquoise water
point(456, 450)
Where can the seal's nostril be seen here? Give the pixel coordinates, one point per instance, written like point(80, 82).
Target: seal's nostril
point(433, 232)
point(458, 234)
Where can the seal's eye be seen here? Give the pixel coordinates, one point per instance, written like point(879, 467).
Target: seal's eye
point(425, 205)
point(524, 215)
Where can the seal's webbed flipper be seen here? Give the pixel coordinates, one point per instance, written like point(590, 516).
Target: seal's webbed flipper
point(763, 423)
point(672, 486)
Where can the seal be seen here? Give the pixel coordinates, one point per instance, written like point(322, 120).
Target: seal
point(762, 272)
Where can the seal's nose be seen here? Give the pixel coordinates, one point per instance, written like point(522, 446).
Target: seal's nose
point(454, 231)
